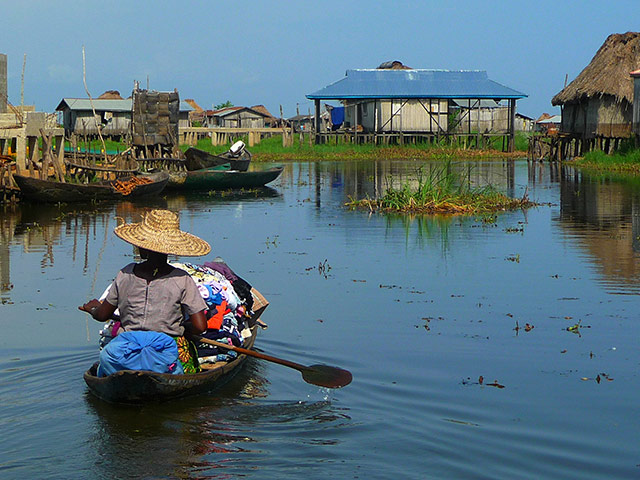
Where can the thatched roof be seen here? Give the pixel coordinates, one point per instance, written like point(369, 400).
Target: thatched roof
point(608, 72)
point(194, 105)
point(263, 110)
point(393, 65)
point(111, 95)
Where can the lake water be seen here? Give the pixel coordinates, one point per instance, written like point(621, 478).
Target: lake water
point(542, 304)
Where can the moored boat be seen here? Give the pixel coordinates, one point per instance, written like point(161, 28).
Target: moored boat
point(223, 178)
point(40, 190)
point(238, 158)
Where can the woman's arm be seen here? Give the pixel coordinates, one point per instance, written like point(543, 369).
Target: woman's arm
point(100, 311)
point(197, 323)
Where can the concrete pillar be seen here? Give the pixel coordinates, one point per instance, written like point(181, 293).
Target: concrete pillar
point(3, 83)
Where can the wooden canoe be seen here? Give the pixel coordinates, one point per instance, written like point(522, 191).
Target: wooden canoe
point(38, 190)
point(136, 386)
point(198, 159)
point(223, 178)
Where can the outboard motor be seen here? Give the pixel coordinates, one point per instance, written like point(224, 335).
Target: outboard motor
point(237, 148)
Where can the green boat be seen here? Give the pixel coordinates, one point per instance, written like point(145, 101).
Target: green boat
point(224, 178)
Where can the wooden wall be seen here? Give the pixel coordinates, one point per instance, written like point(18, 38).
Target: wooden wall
point(411, 115)
point(636, 107)
point(598, 117)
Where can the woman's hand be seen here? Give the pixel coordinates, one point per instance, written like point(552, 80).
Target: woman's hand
point(100, 311)
point(95, 303)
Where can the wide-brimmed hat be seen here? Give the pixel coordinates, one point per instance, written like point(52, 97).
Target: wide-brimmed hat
point(160, 232)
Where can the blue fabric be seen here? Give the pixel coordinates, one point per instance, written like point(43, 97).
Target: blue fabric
point(337, 116)
point(140, 350)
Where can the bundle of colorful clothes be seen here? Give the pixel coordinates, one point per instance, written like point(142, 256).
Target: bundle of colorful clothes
point(229, 307)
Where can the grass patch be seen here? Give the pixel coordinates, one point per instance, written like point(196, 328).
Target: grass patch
point(624, 161)
point(270, 149)
point(441, 190)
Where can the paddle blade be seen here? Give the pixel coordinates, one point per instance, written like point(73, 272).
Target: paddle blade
point(326, 376)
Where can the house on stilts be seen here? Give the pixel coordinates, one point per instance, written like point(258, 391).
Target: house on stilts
point(597, 107)
point(394, 104)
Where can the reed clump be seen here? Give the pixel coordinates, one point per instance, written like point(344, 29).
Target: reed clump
point(441, 190)
point(625, 161)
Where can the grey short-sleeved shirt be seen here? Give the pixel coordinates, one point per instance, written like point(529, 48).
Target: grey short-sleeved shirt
point(157, 305)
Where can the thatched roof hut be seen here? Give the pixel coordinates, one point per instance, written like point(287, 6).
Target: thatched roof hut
point(599, 101)
point(608, 72)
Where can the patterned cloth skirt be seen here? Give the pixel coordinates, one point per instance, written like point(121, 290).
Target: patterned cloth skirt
point(187, 354)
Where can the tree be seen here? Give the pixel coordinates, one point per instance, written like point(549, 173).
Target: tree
point(220, 106)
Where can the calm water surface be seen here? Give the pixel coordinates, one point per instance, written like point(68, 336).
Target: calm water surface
point(418, 309)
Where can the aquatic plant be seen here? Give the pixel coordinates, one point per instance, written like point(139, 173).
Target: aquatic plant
point(441, 189)
point(624, 161)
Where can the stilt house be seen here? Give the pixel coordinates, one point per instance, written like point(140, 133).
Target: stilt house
point(598, 104)
point(396, 100)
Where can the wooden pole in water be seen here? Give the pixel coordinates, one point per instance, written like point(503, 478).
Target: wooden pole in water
point(512, 122)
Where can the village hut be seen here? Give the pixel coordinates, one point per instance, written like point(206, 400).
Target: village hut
point(235, 117)
point(112, 115)
point(269, 120)
point(599, 102)
point(395, 102)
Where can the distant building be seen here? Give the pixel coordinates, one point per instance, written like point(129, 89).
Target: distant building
point(304, 123)
point(397, 99)
point(269, 120)
point(113, 115)
point(236, 117)
point(524, 123)
point(599, 102)
point(548, 123)
point(197, 114)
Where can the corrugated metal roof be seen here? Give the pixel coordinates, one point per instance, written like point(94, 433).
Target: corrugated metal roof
point(108, 105)
point(375, 83)
point(111, 105)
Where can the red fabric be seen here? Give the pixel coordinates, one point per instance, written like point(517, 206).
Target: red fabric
point(215, 322)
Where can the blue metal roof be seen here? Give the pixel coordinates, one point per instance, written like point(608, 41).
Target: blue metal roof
point(375, 83)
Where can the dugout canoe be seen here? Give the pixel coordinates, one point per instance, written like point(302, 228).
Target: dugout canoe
point(223, 178)
point(197, 159)
point(137, 386)
point(53, 191)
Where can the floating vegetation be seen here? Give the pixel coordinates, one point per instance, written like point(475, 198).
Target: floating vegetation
point(441, 190)
point(514, 258)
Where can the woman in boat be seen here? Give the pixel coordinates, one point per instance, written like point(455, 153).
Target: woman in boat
point(152, 298)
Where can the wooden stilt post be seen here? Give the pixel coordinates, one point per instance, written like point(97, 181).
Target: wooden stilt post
point(512, 122)
point(316, 120)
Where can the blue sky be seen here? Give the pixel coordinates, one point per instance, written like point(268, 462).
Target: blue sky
point(273, 53)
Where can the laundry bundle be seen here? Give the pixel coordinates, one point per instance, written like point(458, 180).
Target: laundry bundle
point(229, 307)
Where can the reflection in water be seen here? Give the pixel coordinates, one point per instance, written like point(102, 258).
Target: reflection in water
point(601, 215)
point(38, 228)
point(200, 435)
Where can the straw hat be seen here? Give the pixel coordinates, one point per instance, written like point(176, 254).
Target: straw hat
point(160, 232)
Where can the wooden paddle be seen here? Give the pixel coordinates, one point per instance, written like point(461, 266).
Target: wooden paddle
point(321, 375)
